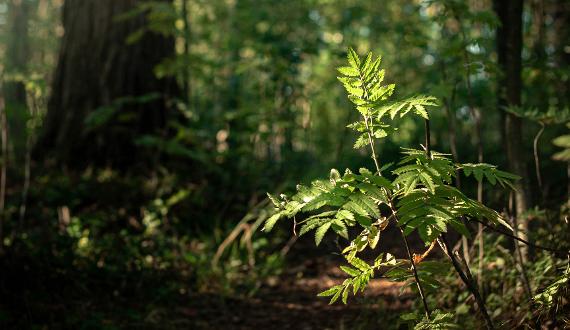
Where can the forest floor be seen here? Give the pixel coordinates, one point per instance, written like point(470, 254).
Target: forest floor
point(289, 301)
point(38, 293)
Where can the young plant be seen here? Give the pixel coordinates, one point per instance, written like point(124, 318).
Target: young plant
point(417, 195)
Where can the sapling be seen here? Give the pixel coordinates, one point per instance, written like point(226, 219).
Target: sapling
point(416, 195)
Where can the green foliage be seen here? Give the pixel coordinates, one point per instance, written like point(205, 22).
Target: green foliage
point(439, 320)
point(490, 173)
point(551, 295)
point(360, 274)
point(420, 197)
point(563, 142)
point(548, 117)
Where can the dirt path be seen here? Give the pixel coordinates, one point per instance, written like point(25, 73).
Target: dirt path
point(290, 302)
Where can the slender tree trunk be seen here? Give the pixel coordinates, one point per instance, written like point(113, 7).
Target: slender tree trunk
point(4, 164)
point(17, 55)
point(99, 73)
point(561, 14)
point(186, 74)
point(509, 48)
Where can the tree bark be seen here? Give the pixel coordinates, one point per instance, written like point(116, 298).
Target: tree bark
point(509, 48)
point(561, 14)
point(98, 70)
point(17, 55)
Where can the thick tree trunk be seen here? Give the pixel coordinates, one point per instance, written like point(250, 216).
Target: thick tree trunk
point(99, 71)
point(509, 48)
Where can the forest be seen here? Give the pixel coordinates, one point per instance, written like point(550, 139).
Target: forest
point(300, 164)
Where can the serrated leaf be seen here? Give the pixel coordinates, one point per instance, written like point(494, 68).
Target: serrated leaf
point(360, 264)
point(373, 237)
point(345, 214)
point(350, 271)
point(330, 292)
point(348, 71)
point(270, 223)
point(345, 295)
point(353, 58)
point(340, 228)
point(334, 176)
point(320, 233)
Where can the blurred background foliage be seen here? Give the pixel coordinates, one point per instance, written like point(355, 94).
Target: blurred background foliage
point(259, 109)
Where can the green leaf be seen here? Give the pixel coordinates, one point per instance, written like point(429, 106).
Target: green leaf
point(320, 233)
point(360, 264)
point(345, 295)
point(331, 291)
point(365, 203)
point(373, 237)
point(348, 71)
point(334, 176)
point(350, 271)
point(353, 59)
point(340, 228)
point(270, 223)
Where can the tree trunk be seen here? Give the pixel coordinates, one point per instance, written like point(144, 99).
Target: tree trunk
point(102, 77)
point(17, 55)
point(561, 14)
point(509, 48)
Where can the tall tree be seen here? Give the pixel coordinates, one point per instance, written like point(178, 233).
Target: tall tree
point(17, 55)
point(106, 80)
point(509, 48)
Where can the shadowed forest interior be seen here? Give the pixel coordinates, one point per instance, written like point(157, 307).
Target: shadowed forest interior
point(301, 164)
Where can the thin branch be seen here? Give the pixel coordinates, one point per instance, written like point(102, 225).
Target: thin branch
point(537, 160)
point(540, 247)
point(416, 276)
point(472, 288)
point(371, 141)
point(427, 138)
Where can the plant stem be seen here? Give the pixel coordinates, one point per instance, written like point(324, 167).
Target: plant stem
point(537, 160)
point(414, 269)
point(416, 276)
point(427, 138)
point(371, 141)
point(410, 256)
point(470, 286)
point(559, 252)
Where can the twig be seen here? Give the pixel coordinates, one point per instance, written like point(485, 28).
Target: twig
point(416, 277)
point(537, 160)
point(371, 141)
point(241, 226)
point(540, 247)
point(470, 286)
point(288, 246)
point(427, 138)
